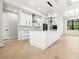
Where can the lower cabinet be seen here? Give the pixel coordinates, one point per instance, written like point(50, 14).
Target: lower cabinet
point(23, 35)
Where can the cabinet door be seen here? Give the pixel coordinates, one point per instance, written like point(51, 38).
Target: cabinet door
point(12, 25)
point(23, 35)
point(22, 19)
point(9, 25)
point(5, 25)
point(25, 19)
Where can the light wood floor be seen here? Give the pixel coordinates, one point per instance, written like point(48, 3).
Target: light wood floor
point(66, 48)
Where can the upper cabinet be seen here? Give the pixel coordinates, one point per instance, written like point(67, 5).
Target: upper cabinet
point(25, 19)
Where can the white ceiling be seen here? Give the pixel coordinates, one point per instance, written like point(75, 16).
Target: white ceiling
point(42, 6)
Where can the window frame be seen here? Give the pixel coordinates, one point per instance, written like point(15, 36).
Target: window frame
point(73, 26)
point(71, 3)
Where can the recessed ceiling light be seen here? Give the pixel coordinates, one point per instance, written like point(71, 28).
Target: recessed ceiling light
point(44, 11)
point(31, 3)
point(15, 10)
point(39, 8)
point(74, 1)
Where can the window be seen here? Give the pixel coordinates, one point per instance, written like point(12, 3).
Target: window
point(73, 1)
point(73, 24)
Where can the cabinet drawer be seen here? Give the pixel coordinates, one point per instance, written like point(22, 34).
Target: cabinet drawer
point(24, 37)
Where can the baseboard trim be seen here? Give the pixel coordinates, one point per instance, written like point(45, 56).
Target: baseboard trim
point(71, 34)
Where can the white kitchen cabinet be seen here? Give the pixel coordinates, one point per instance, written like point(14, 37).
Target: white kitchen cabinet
point(25, 19)
point(9, 25)
point(44, 39)
point(23, 35)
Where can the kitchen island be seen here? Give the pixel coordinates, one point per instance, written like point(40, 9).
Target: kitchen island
point(43, 39)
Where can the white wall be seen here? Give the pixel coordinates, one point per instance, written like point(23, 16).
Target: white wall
point(1, 8)
point(60, 24)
